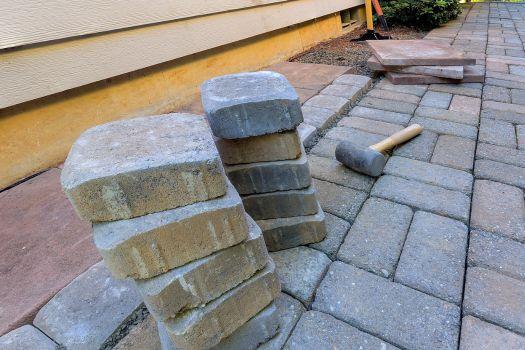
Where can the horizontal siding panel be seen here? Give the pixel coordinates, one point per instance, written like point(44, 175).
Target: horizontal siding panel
point(26, 22)
point(43, 70)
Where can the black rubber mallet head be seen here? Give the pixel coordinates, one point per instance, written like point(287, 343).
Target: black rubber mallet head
point(371, 160)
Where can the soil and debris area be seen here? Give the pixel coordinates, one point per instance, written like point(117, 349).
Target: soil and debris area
point(342, 51)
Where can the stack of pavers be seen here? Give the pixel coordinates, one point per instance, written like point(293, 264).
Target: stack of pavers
point(254, 117)
point(164, 214)
point(423, 62)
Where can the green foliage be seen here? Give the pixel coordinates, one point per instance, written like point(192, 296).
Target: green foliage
point(421, 14)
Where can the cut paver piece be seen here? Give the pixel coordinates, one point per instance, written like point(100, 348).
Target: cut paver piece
point(250, 104)
point(300, 270)
point(500, 172)
point(420, 147)
point(375, 245)
point(317, 330)
point(266, 148)
point(498, 208)
point(146, 246)
point(333, 103)
point(205, 279)
point(496, 298)
point(331, 170)
point(336, 230)
point(281, 204)
point(453, 72)
point(418, 53)
point(436, 99)
point(433, 256)
point(380, 115)
point(89, 310)
point(398, 314)
point(372, 126)
point(266, 177)
point(130, 168)
point(205, 326)
point(283, 233)
point(455, 152)
point(432, 174)
point(424, 196)
point(479, 335)
point(497, 253)
point(320, 118)
point(338, 200)
point(497, 132)
point(501, 154)
point(27, 338)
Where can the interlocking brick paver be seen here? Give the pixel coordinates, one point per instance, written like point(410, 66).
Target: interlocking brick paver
point(465, 104)
point(375, 245)
point(501, 154)
point(338, 200)
point(520, 133)
point(497, 253)
point(480, 335)
point(447, 127)
point(388, 105)
point(503, 116)
point(420, 147)
point(418, 90)
point(331, 170)
point(496, 298)
point(497, 132)
point(501, 172)
point(334, 103)
point(300, 270)
point(336, 230)
point(372, 126)
point(433, 256)
point(320, 118)
point(433, 174)
point(504, 107)
point(496, 93)
point(380, 115)
point(354, 80)
point(449, 115)
point(317, 330)
point(349, 92)
point(27, 338)
point(424, 196)
point(392, 95)
point(517, 96)
point(307, 133)
point(467, 89)
point(455, 152)
point(358, 137)
point(504, 83)
point(398, 314)
point(436, 99)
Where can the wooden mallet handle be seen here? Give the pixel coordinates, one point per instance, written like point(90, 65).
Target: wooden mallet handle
point(398, 138)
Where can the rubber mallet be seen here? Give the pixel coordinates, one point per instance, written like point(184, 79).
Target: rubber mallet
point(371, 160)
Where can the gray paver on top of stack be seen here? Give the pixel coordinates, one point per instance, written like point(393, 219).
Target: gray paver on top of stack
point(391, 311)
point(26, 338)
point(250, 104)
point(139, 166)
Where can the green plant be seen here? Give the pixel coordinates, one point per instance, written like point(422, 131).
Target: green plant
point(421, 14)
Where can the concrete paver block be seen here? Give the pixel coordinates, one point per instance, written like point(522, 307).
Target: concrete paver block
point(358, 137)
point(354, 80)
point(308, 75)
point(331, 170)
point(375, 245)
point(520, 134)
point(349, 92)
point(149, 245)
point(471, 74)
point(142, 336)
point(418, 90)
point(380, 115)
point(338, 200)
point(203, 280)
point(420, 147)
point(447, 115)
point(455, 152)
point(134, 167)
point(27, 338)
point(206, 326)
point(372, 126)
point(436, 99)
point(447, 127)
point(336, 230)
point(265, 148)
point(388, 105)
point(317, 330)
point(393, 95)
point(266, 177)
point(479, 335)
point(398, 314)
point(333, 103)
point(283, 233)
point(465, 104)
point(300, 270)
point(307, 134)
point(501, 154)
point(505, 116)
point(320, 118)
point(281, 204)
point(496, 93)
point(250, 104)
point(86, 313)
point(467, 89)
point(500, 172)
point(497, 132)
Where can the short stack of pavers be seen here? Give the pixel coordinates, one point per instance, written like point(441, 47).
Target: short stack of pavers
point(409, 62)
point(164, 214)
point(254, 117)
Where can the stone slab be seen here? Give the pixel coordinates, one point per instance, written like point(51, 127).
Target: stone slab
point(206, 326)
point(431, 198)
point(371, 126)
point(26, 338)
point(142, 336)
point(88, 311)
point(500, 172)
point(447, 127)
point(338, 200)
point(497, 253)
point(250, 104)
point(308, 75)
point(496, 298)
point(432, 174)
point(380, 115)
point(44, 245)
point(336, 230)
point(420, 147)
point(375, 245)
point(284, 233)
point(471, 74)
point(448, 115)
point(134, 167)
point(501, 154)
point(455, 152)
point(479, 335)
point(498, 208)
point(281, 204)
point(266, 148)
point(433, 257)
point(453, 72)
point(417, 52)
point(320, 118)
point(398, 314)
point(300, 270)
point(331, 170)
point(203, 280)
point(305, 94)
point(266, 177)
point(149, 245)
point(317, 330)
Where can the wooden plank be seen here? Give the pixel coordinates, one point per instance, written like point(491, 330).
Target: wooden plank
point(26, 22)
point(43, 70)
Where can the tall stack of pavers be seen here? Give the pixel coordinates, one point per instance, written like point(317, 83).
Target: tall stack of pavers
point(254, 117)
point(164, 214)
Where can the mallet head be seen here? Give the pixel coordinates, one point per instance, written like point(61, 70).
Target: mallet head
point(362, 159)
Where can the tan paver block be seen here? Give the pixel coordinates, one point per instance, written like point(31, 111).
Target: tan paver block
point(149, 245)
point(130, 168)
point(465, 104)
point(203, 280)
point(266, 148)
